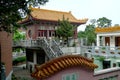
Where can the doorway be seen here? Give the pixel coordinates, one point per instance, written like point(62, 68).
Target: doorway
point(117, 41)
point(107, 41)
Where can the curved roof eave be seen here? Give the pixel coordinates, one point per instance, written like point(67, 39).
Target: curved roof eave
point(57, 64)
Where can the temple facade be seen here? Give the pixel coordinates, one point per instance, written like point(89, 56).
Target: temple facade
point(108, 36)
point(43, 23)
point(41, 27)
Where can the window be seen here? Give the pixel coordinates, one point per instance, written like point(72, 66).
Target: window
point(68, 77)
point(71, 76)
point(118, 64)
point(106, 64)
point(74, 76)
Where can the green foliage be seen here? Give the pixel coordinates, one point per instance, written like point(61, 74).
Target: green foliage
point(103, 48)
point(74, 44)
point(103, 22)
point(14, 77)
point(100, 58)
point(65, 30)
point(81, 34)
point(10, 12)
point(24, 78)
point(19, 60)
point(89, 33)
point(18, 36)
point(93, 21)
point(18, 49)
point(37, 3)
point(19, 78)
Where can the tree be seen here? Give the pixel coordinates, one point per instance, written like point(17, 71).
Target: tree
point(103, 22)
point(65, 30)
point(93, 21)
point(81, 34)
point(116, 25)
point(18, 36)
point(10, 12)
point(89, 33)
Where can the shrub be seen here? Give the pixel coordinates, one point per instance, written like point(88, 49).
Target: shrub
point(19, 60)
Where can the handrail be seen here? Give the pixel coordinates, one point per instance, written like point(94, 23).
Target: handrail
point(43, 43)
point(56, 48)
point(48, 49)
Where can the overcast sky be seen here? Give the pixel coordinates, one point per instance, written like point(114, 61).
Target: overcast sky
point(91, 9)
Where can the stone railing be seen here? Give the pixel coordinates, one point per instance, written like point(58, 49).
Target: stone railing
point(51, 48)
point(101, 50)
point(25, 43)
point(49, 52)
point(56, 48)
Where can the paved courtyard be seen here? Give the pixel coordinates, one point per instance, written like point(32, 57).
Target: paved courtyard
point(21, 74)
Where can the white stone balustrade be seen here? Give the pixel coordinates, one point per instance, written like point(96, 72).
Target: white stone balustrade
point(93, 50)
point(101, 50)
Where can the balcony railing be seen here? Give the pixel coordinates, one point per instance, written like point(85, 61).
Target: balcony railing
point(92, 50)
point(101, 50)
point(43, 43)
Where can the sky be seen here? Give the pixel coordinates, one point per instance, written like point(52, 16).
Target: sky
point(91, 9)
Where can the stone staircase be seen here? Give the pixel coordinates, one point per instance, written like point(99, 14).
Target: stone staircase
point(50, 47)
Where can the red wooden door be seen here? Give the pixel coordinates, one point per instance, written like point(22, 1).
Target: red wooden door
point(107, 41)
point(117, 41)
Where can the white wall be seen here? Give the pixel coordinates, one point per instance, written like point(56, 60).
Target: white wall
point(71, 50)
point(112, 41)
point(111, 35)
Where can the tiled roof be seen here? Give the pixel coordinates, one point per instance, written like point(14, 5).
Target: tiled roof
point(107, 29)
point(60, 63)
point(51, 15)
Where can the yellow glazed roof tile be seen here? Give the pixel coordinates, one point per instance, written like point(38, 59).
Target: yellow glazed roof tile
point(51, 15)
point(107, 29)
point(58, 64)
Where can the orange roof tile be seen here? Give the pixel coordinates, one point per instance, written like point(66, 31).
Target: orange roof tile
point(60, 63)
point(107, 29)
point(44, 14)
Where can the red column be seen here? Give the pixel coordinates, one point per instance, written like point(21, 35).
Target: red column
point(75, 33)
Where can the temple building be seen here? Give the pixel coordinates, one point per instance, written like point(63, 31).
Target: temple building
point(108, 36)
point(49, 62)
point(43, 23)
